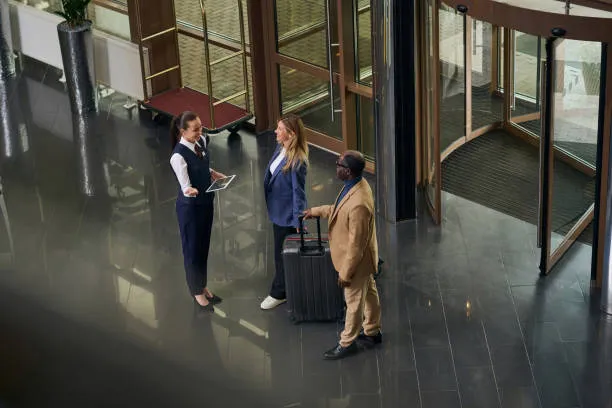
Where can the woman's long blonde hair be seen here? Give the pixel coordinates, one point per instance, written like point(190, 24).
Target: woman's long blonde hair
point(297, 151)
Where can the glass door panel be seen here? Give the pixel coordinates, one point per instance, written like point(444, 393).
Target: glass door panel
point(302, 31)
point(430, 124)
point(308, 97)
point(452, 76)
point(307, 63)
point(574, 101)
point(363, 42)
point(526, 100)
point(487, 101)
point(577, 99)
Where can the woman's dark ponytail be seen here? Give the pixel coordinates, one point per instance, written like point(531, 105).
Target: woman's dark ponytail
point(180, 122)
point(175, 132)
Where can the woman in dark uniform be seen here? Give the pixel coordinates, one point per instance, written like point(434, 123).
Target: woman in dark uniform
point(194, 206)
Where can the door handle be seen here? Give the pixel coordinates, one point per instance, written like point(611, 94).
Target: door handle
point(543, 107)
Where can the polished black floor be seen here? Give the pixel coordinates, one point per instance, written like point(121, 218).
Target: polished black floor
point(94, 311)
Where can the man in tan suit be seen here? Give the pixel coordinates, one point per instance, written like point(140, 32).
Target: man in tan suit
point(354, 252)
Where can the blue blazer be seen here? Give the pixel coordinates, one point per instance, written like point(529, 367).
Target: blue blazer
point(285, 193)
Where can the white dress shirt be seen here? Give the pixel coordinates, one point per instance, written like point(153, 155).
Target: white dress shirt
point(277, 161)
point(179, 165)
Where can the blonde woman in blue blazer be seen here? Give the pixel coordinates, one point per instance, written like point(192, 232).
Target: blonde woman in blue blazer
point(285, 192)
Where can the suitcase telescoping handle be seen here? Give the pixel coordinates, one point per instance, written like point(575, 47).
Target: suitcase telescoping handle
point(303, 246)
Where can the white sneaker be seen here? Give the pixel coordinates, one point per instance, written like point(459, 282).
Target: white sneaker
point(271, 303)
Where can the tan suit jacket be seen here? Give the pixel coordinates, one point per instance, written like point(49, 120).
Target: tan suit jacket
point(352, 232)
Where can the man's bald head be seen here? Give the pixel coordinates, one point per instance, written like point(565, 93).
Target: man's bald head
point(355, 162)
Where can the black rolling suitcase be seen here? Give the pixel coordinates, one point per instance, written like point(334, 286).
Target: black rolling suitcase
point(311, 281)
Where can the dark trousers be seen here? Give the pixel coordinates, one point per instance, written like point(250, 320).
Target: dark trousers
point(278, 284)
point(195, 225)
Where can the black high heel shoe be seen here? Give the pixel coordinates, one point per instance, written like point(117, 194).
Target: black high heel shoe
point(214, 299)
point(208, 308)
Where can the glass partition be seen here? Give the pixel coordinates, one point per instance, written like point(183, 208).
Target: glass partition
point(224, 32)
point(221, 17)
point(308, 96)
point(362, 16)
point(575, 110)
point(227, 77)
point(487, 103)
point(452, 76)
point(430, 77)
point(577, 99)
point(363, 41)
point(302, 31)
point(527, 57)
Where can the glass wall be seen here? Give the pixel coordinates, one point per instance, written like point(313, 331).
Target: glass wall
point(301, 31)
point(363, 29)
point(577, 99)
point(486, 100)
point(527, 70)
point(430, 128)
point(452, 76)
point(308, 96)
point(221, 17)
point(224, 33)
point(576, 76)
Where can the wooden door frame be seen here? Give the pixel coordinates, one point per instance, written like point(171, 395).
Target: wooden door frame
point(603, 179)
point(430, 125)
point(345, 84)
point(259, 67)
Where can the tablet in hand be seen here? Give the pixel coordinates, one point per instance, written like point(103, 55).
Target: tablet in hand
point(220, 184)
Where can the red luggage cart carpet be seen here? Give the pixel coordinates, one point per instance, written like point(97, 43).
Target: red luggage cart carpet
point(227, 116)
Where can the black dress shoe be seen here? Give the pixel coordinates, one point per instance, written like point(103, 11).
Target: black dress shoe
point(369, 341)
point(339, 352)
point(214, 299)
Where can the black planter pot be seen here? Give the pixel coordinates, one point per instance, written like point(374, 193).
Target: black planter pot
point(76, 44)
point(90, 150)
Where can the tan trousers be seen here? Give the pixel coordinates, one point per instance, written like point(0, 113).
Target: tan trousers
point(362, 309)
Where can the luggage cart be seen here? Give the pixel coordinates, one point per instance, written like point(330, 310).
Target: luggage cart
point(217, 114)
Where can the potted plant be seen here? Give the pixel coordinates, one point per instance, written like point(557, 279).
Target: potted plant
point(76, 44)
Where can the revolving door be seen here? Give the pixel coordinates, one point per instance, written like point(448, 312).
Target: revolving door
point(535, 75)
